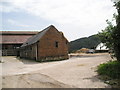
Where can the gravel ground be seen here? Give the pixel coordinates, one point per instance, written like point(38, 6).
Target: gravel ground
point(76, 72)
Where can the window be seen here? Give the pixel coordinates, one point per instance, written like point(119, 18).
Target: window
point(56, 44)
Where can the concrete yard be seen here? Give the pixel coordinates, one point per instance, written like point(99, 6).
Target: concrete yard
point(76, 72)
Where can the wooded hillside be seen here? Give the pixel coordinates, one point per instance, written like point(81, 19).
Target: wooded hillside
point(87, 42)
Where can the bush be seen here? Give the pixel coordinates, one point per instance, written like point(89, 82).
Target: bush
point(110, 69)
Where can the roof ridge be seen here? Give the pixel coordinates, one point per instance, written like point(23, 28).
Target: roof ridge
point(36, 37)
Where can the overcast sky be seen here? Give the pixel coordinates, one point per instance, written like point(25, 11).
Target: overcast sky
point(75, 18)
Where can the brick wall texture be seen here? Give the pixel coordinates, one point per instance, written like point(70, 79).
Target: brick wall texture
point(52, 46)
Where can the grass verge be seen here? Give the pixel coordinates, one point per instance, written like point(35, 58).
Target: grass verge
point(110, 73)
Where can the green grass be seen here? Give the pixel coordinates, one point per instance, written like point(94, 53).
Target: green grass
point(110, 72)
point(111, 69)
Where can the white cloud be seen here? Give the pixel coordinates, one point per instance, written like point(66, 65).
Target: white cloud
point(16, 23)
point(80, 15)
point(11, 21)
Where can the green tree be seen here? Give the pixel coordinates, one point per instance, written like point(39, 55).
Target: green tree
point(116, 32)
point(106, 35)
point(111, 35)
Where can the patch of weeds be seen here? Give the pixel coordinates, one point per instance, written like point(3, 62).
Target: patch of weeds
point(111, 69)
point(110, 73)
point(115, 83)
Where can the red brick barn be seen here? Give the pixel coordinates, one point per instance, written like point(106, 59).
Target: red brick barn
point(49, 44)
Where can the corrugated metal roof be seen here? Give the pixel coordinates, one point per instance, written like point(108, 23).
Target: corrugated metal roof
point(18, 32)
point(36, 37)
point(15, 37)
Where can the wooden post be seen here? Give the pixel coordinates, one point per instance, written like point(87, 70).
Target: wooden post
point(36, 48)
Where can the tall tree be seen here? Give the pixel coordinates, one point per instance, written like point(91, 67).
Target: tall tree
point(116, 33)
point(111, 35)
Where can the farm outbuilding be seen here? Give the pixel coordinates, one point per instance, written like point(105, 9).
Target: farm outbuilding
point(11, 40)
point(102, 48)
point(49, 44)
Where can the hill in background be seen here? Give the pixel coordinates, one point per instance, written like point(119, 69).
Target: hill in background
point(90, 42)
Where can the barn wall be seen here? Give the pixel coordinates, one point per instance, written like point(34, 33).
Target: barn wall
point(28, 52)
point(47, 47)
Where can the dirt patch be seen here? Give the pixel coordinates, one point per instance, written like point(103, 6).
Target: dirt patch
point(35, 80)
point(76, 71)
point(81, 65)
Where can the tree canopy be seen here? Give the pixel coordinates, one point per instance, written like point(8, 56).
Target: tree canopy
point(111, 34)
